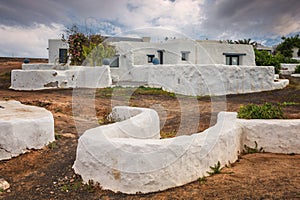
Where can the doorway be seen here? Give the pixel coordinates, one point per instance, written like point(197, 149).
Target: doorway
point(161, 56)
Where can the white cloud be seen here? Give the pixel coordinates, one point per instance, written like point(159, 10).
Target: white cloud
point(172, 15)
point(27, 42)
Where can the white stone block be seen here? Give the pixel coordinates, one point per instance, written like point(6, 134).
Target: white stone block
point(23, 128)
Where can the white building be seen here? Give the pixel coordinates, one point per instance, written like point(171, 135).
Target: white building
point(57, 51)
point(180, 51)
point(181, 66)
point(296, 53)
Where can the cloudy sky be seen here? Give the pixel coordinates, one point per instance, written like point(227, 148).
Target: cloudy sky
point(26, 25)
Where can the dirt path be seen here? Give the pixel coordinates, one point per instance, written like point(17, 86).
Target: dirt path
point(48, 174)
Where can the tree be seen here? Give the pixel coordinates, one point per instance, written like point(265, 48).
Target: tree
point(287, 45)
point(88, 48)
point(94, 54)
point(76, 42)
point(263, 58)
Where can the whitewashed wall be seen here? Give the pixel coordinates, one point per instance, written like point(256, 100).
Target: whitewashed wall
point(186, 79)
point(200, 80)
point(75, 77)
point(288, 68)
point(122, 157)
point(276, 136)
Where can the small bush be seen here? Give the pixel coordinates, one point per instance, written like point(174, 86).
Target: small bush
point(265, 111)
point(297, 69)
point(202, 180)
point(216, 169)
point(250, 150)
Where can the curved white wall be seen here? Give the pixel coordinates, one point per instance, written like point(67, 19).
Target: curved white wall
point(121, 158)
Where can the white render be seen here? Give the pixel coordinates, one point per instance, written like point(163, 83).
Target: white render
point(45, 66)
point(200, 80)
point(73, 77)
point(186, 79)
point(276, 136)
point(132, 162)
point(296, 75)
point(23, 127)
point(53, 49)
point(287, 68)
point(200, 52)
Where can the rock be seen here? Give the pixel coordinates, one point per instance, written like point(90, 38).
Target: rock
point(68, 135)
point(4, 185)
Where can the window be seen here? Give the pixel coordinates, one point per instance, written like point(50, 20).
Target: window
point(150, 58)
point(233, 58)
point(185, 55)
point(114, 61)
point(63, 55)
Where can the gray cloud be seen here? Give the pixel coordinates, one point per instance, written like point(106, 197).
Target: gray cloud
point(255, 18)
point(29, 12)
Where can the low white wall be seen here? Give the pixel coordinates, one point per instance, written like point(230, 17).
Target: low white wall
point(186, 79)
point(296, 75)
point(23, 128)
point(288, 69)
point(74, 77)
point(200, 80)
point(276, 136)
point(44, 66)
point(120, 163)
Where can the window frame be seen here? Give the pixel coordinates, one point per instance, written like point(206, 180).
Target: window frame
point(150, 58)
point(229, 57)
point(185, 55)
point(116, 59)
point(62, 55)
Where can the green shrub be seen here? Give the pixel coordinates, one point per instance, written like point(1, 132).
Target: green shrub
point(255, 149)
point(263, 58)
point(265, 111)
point(297, 69)
point(216, 169)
